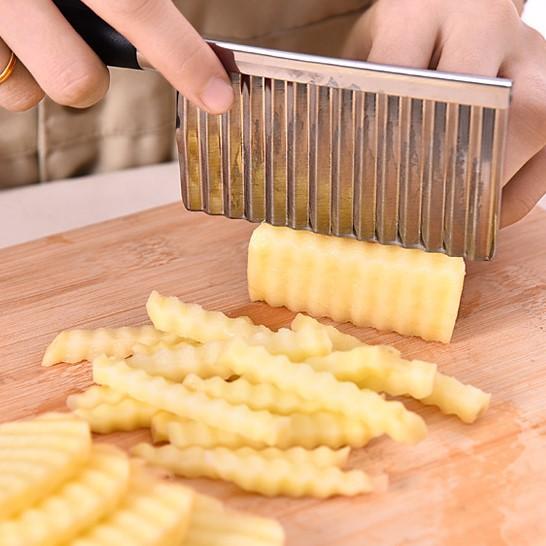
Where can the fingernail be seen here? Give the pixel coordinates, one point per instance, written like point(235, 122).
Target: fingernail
point(217, 95)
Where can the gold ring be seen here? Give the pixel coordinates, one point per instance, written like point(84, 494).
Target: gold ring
point(8, 70)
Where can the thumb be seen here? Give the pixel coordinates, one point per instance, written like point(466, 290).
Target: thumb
point(524, 190)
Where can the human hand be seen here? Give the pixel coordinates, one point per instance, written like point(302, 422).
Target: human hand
point(53, 59)
point(485, 37)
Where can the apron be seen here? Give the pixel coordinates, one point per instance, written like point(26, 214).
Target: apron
point(134, 124)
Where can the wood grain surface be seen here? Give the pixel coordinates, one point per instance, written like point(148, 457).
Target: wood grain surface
point(479, 485)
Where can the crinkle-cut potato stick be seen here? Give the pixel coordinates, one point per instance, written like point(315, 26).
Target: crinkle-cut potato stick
point(262, 396)
point(93, 396)
point(305, 430)
point(174, 364)
point(123, 416)
point(455, 398)
point(189, 320)
point(76, 506)
point(379, 368)
point(212, 524)
point(340, 340)
point(448, 394)
point(174, 397)
point(153, 513)
point(166, 427)
point(381, 416)
point(408, 291)
point(267, 476)
point(194, 456)
point(73, 346)
point(37, 456)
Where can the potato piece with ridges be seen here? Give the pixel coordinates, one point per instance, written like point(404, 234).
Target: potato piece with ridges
point(262, 396)
point(252, 472)
point(212, 524)
point(305, 430)
point(455, 398)
point(37, 456)
point(192, 321)
point(73, 346)
point(175, 398)
point(408, 291)
point(448, 394)
point(76, 506)
point(176, 363)
point(379, 415)
point(153, 513)
point(379, 368)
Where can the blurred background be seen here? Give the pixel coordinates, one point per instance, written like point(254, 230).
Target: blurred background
point(35, 211)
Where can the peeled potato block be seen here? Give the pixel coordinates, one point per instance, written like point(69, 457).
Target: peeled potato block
point(408, 291)
point(37, 456)
point(76, 506)
point(153, 513)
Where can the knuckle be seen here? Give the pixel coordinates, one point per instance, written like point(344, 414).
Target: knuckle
point(78, 85)
point(23, 101)
point(194, 58)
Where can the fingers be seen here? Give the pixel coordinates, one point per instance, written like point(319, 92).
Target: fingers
point(525, 190)
point(60, 61)
point(463, 52)
point(472, 46)
point(527, 123)
point(173, 46)
point(394, 43)
point(20, 91)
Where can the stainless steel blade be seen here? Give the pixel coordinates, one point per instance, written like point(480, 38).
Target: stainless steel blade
point(346, 148)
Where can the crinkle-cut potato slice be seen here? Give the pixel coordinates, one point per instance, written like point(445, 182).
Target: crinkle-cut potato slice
point(93, 396)
point(380, 416)
point(455, 398)
point(408, 291)
point(166, 343)
point(189, 320)
point(153, 513)
point(380, 368)
point(175, 398)
point(252, 472)
point(73, 346)
point(448, 394)
point(340, 340)
point(212, 524)
point(123, 416)
point(107, 410)
point(262, 396)
point(176, 363)
point(76, 506)
point(306, 430)
point(37, 456)
point(194, 456)
point(167, 427)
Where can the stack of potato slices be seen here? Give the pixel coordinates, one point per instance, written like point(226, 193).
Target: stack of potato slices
point(273, 412)
point(58, 488)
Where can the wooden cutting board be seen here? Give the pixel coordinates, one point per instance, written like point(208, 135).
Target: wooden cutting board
point(476, 485)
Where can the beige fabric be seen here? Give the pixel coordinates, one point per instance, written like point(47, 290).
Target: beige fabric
point(134, 124)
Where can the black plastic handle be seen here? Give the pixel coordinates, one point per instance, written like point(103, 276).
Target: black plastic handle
point(113, 48)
